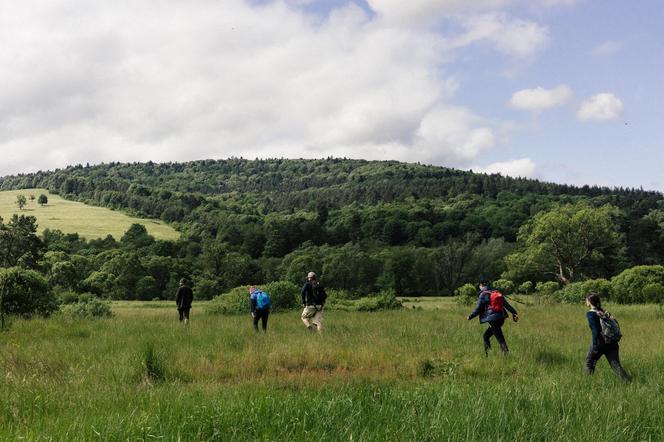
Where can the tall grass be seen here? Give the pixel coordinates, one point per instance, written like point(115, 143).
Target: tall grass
point(416, 374)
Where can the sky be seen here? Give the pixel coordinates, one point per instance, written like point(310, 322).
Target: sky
point(559, 90)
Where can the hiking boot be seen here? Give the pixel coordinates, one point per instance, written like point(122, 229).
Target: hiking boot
point(312, 328)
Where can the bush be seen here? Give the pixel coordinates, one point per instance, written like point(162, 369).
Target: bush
point(87, 307)
point(283, 294)
point(25, 293)
point(654, 293)
point(385, 300)
point(505, 286)
point(466, 294)
point(576, 292)
point(547, 288)
point(526, 288)
point(629, 287)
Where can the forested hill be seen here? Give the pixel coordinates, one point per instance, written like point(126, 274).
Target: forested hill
point(273, 212)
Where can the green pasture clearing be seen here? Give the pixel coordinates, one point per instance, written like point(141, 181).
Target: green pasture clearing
point(89, 222)
point(414, 374)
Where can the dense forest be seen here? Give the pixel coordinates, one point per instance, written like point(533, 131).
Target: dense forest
point(364, 226)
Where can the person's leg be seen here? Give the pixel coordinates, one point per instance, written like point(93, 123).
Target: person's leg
point(180, 314)
point(255, 319)
point(264, 316)
point(591, 360)
point(307, 315)
point(487, 339)
point(318, 319)
point(186, 316)
point(497, 328)
point(612, 354)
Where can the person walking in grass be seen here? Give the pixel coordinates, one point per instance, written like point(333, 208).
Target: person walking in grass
point(183, 299)
point(605, 336)
point(260, 307)
point(492, 308)
point(313, 301)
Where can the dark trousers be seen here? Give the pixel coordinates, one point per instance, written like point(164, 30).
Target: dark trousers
point(612, 354)
point(262, 315)
point(495, 329)
point(184, 313)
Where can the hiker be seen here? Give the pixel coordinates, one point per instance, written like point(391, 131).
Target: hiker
point(604, 342)
point(260, 307)
point(313, 301)
point(492, 308)
point(183, 299)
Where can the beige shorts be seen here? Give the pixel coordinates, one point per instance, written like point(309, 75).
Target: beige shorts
point(310, 311)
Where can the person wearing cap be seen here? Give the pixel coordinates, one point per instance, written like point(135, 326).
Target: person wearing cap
point(493, 313)
point(183, 299)
point(313, 300)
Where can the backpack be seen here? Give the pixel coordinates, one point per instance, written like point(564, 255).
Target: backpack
point(610, 328)
point(263, 300)
point(319, 294)
point(497, 301)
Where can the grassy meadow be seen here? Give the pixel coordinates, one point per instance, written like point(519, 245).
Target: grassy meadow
point(89, 222)
point(416, 374)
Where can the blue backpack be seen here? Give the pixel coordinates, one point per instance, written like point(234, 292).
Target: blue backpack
point(263, 300)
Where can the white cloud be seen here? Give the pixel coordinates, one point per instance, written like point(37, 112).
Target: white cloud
point(539, 98)
point(523, 167)
point(514, 37)
point(604, 106)
point(608, 47)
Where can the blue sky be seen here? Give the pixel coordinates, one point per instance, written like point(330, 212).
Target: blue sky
point(560, 90)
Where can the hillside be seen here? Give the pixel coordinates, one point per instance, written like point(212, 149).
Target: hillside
point(73, 217)
point(363, 225)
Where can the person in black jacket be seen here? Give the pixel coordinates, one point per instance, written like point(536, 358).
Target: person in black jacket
point(599, 347)
point(183, 299)
point(495, 319)
point(313, 300)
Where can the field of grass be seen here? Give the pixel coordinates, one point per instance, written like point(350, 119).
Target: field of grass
point(415, 374)
point(89, 222)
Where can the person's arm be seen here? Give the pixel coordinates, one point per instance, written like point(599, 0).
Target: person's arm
point(254, 303)
point(303, 293)
point(595, 328)
point(478, 307)
point(178, 296)
point(509, 308)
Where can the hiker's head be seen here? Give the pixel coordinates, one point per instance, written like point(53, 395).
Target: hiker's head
point(311, 276)
point(252, 289)
point(183, 281)
point(483, 283)
point(593, 300)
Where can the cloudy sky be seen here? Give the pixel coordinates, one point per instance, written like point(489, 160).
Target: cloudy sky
point(561, 90)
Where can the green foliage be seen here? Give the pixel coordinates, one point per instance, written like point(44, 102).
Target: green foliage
point(546, 288)
point(505, 286)
point(21, 201)
point(42, 200)
point(233, 302)
point(25, 293)
point(576, 292)
point(466, 294)
point(385, 300)
point(525, 288)
point(87, 307)
point(153, 365)
point(629, 286)
point(284, 295)
point(19, 244)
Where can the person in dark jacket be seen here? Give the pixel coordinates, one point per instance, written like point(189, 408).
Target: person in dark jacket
point(313, 301)
point(495, 319)
point(259, 312)
point(599, 347)
point(183, 299)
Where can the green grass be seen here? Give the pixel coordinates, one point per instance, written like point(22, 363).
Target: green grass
point(416, 374)
point(89, 222)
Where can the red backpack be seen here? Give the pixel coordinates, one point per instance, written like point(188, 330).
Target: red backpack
point(497, 301)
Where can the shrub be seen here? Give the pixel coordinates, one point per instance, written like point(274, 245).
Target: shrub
point(466, 294)
point(526, 288)
point(546, 288)
point(505, 286)
point(385, 300)
point(654, 293)
point(628, 287)
point(576, 292)
point(87, 307)
point(25, 292)
point(283, 294)
point(233, 302)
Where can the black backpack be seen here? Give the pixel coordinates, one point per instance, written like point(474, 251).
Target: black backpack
point(318, 293)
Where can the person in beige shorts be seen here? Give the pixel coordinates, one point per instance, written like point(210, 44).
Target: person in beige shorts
point(313, 301)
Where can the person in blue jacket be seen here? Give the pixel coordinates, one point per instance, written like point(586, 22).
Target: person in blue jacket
point(599, 347)
point(260, 307)
point(495, 319)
